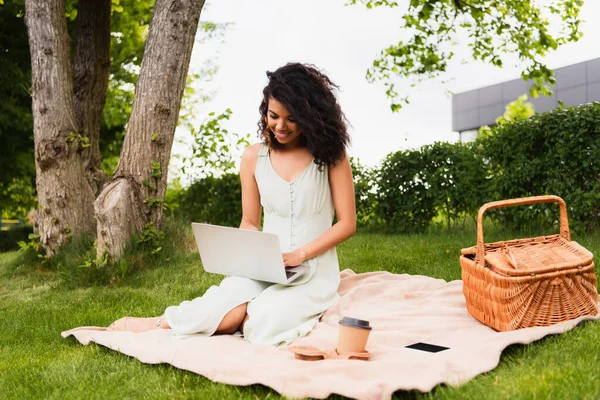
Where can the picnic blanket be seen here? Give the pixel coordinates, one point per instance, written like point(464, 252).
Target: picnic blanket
point(403, 309)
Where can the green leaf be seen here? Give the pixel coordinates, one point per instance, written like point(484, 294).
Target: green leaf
point(156, 173)
point(494, 31)
point(157, 250)
point(395, 107)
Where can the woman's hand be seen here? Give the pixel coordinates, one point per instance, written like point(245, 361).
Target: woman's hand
point(294, 258)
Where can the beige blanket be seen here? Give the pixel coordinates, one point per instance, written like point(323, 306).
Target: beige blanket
point(403, 309)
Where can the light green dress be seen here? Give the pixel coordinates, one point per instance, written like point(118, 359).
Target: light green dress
point(298, 212)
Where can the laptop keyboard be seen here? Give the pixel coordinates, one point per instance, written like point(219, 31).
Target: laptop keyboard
point(289, 274)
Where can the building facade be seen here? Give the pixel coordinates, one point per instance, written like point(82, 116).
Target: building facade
point(575, 84)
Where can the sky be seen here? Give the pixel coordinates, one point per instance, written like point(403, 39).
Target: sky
point(343, 41)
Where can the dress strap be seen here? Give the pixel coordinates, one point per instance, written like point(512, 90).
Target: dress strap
point(264, 150)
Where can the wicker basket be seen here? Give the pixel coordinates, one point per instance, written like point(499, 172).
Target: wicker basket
point(528, 282)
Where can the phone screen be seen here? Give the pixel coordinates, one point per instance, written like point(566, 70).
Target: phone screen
point(431, 348)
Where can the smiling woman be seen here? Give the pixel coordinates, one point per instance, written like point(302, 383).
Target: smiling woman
point(281, 124)
point(301, 177)
point(299, 109)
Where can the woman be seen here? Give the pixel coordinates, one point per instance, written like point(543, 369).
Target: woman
point(301, 176)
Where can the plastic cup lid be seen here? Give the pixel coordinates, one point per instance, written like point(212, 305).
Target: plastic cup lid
point(355, 323)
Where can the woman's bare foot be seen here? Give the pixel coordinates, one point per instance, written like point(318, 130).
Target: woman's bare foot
point(136, 325)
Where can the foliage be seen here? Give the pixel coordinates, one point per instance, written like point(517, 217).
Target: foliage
point(32, 248)
point(172, 196)
point(151, 238)
point(17, 168)
point(215, 200)
point(130, 21)
point(515, 110)
point(19, 198)
point(493, 29)
point(552, 153)
point(33, 243)
point(364, 190)
point(404, 200)
point(213, 148)
point(415, 186)
point(130, 24)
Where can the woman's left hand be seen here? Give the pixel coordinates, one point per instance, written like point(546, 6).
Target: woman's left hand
point(294, 258)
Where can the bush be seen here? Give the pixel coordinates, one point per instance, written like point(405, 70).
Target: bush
point(404, 199)
point(212, 200)
point(364, 189)
point(415, 186)
point(552, 153)
point(9, 238)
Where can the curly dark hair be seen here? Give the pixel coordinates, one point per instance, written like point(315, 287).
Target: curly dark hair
point(309, 97)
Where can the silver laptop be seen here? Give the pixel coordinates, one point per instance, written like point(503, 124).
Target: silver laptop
point(242, 252)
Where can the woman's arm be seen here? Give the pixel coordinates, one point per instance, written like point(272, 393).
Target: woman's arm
point(342, 192)
point(251, 208)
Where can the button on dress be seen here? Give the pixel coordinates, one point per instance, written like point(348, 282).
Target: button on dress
point(297, 212)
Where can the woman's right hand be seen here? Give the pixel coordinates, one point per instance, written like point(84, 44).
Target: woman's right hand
point(294, 258)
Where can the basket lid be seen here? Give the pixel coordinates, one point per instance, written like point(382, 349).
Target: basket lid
point(538, 255)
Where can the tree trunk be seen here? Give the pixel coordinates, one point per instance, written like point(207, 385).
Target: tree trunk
point(64, 195)
point(90, 69)
point(134, 196)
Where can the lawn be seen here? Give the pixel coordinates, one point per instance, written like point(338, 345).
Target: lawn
point(36, 305)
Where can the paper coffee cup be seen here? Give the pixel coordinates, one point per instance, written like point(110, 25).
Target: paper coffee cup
point(353, 335)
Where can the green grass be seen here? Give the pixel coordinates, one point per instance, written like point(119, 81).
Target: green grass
point(37, 303)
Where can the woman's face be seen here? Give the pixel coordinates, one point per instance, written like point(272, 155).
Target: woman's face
point(282, 124)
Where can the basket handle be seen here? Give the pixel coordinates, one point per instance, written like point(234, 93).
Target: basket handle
point(564, 220)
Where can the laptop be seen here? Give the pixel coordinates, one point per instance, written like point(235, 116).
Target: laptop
point(241, 252)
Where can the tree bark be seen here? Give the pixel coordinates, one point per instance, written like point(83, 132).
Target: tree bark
point(64, 195)
point(90, 69)
point(134, 196)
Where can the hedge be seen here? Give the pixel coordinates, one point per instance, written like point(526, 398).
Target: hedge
point(212, 200)
point(557, 152)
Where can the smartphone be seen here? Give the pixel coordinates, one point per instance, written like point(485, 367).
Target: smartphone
point(431, 348)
